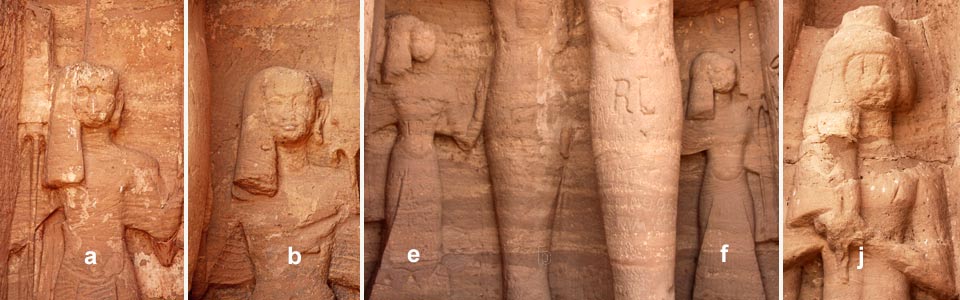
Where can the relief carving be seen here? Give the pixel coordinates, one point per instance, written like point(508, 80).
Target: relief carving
point(96, 214)
point(637, 156)
point(413, 212)
point(591, 170)
point(279, 207)
point(856, 188)
point(102, 187)
point(716, 125)
point(282, 85)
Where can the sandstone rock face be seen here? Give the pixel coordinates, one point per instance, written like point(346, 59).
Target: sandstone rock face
point(279, 84)
point(93, 206)
point(569, 149)
point(869, 149)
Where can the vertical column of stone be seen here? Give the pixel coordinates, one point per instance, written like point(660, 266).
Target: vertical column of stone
point(522, 141)
point(11, 16)
point(636, 117)
point(199, 133)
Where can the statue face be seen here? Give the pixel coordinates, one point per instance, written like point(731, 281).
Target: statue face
point(423, 43)
point(290, 111)
point(95, 103)
point(723, 75)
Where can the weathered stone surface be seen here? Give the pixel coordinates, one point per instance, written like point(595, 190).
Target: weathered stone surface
point(283, 84)
point(533, 210)
point(869, 151)
point(99, 134)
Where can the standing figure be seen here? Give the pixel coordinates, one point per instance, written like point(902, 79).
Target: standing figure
point(414, 190)
point(286, 216)
point(636, 116)
point(523, 140)
point(103, 188)
point(854, 187)
point(716, 124)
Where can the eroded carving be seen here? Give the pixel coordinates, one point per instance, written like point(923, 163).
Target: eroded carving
point(574, 193)
point(279, 206)
point(637, 155)
point(102, 188)
point(413, 188)
point(855, 187)
point(716, 125)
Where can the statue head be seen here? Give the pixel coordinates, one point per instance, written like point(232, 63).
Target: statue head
point(710, 74)
point(93, 90)
point(290, 102)
point(280, 106)
point(85, 96)
point(408, 40)
point(868, 16)
point(877, 73)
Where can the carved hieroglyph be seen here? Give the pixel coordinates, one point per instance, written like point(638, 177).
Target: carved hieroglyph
point(855, 186)
point(413, 190)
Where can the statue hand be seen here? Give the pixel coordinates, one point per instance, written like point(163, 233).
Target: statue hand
point(166, 251)
point(841, 232)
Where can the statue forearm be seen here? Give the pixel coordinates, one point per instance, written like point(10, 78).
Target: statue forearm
point(923, 267)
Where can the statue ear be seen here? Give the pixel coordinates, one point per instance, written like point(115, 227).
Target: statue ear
point(700, 103)
point(64, 157)
point(256, 168)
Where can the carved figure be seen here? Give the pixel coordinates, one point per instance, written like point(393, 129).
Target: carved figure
point(414, 191)
point(523, 145)
point(102, 187)
point(716, 124)
point(280, 206)
point(854, 187)
point(636, 116)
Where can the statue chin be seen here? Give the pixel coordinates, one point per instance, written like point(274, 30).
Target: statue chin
point(93, 122)
point(289, 137)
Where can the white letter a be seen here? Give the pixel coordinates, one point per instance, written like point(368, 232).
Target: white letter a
point(91, 258)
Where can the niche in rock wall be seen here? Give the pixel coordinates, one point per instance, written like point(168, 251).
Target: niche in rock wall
point(98, 202)
point(282, 130)
point(892, 66)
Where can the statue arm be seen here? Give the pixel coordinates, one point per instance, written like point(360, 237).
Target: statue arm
point(800, 245)
point(924, 258)
point(147, 205)
point(696, 137)
point(467, 138)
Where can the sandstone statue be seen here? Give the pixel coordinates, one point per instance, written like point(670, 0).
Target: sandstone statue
point(282, 238)
point(856, 191)
point(523, 146)
point(414, 193)
point(102, 187)
point(636, 116)
point(716, 125)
